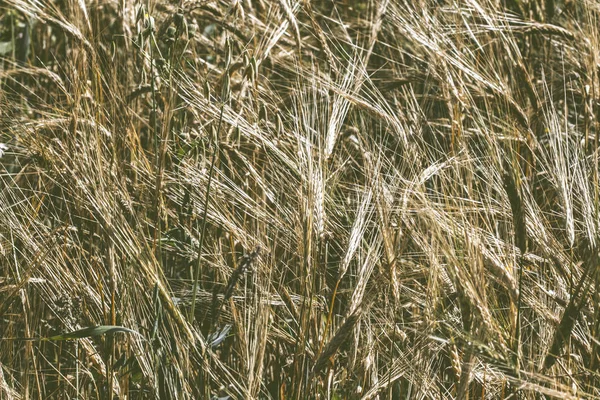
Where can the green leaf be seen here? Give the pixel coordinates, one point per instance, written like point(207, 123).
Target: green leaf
point(92, 331)
point(5, 48)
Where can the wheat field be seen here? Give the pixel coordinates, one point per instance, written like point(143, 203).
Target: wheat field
point(280, 199)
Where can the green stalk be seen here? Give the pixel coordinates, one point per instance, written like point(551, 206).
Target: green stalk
point(204, 217)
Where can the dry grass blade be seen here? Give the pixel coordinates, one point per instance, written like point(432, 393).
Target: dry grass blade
point(422, 178)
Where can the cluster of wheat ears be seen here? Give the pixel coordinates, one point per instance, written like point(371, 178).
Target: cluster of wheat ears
point(254, 199)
